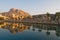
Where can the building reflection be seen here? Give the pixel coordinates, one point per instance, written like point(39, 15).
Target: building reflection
point(20, 27)
point(47, 28)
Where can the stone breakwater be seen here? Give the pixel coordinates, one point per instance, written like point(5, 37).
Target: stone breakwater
point(18, 21)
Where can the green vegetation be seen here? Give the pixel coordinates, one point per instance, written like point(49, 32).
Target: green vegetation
point(58, 16)
point(48, 16)
point(22, 15)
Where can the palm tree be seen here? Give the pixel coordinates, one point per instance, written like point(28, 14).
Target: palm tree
point(57, 15)
point(48, 15)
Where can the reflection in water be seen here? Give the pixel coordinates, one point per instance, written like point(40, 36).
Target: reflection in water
point(48, 28)
point(19, 27)
point(14, 27)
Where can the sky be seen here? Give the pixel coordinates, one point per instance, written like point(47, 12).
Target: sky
point(33, 7)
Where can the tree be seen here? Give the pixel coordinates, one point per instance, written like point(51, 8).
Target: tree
point(48, 17)
point(57, 15)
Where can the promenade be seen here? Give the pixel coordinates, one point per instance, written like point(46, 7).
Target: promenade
point(18, 21)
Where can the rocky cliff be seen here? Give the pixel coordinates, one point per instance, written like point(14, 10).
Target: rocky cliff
point(16, 14)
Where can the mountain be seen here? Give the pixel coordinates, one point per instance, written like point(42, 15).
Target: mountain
point(14, 13)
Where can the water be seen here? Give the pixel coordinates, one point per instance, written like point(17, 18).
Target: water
point(27, 31)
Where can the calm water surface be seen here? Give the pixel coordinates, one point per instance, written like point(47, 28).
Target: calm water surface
point(27, 31)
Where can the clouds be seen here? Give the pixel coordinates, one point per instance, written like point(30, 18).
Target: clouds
point(31, 6)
